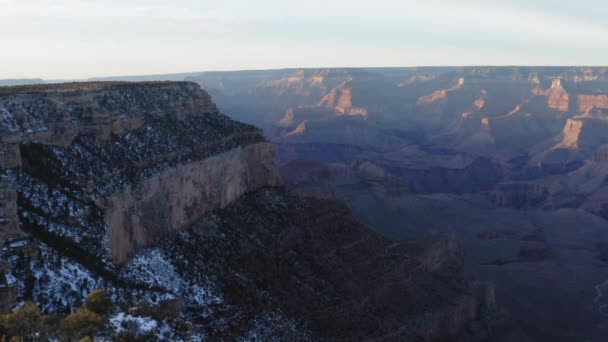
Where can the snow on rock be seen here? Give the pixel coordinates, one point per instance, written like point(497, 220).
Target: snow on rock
point(61, 283)
point(154, 268)
point(136, 325)
point(7, 121)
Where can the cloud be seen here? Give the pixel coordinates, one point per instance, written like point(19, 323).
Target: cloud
point(95, 37)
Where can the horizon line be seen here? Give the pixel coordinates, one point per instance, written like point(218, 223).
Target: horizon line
point(311, 68)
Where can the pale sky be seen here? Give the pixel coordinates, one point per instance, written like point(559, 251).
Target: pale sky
point(56, 39)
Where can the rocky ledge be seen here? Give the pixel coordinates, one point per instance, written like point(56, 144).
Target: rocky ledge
point(105, 168)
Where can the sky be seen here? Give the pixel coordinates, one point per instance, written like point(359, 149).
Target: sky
point(67, 39)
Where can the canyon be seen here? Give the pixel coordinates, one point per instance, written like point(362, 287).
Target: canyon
point(509, 160)
point(181, 216)
point(491, 180)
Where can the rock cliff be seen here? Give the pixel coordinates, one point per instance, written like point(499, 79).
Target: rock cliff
point(557, 97)
point(126, 162)
point(147, 191)
point(588, 102)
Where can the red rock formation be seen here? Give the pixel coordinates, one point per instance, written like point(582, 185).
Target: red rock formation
point(587, 102)
point(557, 97)
point(571, 134)
point(340, 99)
point(435, 96)
point(287, 119)
point(418, 78)
point(298, 131)
point(479, 103)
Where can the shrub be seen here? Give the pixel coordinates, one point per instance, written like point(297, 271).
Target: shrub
point(80, 324)
point(98, 302)
point(24, 322)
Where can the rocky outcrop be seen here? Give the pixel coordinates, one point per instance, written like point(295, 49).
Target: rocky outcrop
point(56, 114)
point(557, 97)
point(583, 134)
point(435, 96)
point(340, 100)
point(571, 134)
point(128, 162)
point(288, 119)
point(438, 100)
point(147, 191)
point(588, 102)
point(175, 198)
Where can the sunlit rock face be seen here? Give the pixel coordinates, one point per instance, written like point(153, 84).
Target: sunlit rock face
point(340, 100)
point(588, 102)
point(557, 97)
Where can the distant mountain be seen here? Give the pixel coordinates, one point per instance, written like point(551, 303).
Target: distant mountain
point(24, 81)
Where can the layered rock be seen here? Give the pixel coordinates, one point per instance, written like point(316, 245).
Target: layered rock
point(435, 96)
point(175, 198)
point(583, 134)
point(147, 191)
point(56, 114)
point(340, 100)
point(128, 162)
point(557, 97)
point(588, 102)
point(571, 134)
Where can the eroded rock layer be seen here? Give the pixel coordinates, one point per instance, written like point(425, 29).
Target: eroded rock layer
point(108, 167)
point(148, 192)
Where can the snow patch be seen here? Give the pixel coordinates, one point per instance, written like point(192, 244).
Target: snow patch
point(137, 325)
point(156, 270)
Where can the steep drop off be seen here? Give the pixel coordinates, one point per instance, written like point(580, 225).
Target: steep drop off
point(176, 211)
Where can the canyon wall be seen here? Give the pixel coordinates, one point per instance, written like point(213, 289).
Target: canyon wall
point(147, 191)
point(56, 114)
point(557, 97)
point(175, 198)
point(588, 102)
point(126, 162)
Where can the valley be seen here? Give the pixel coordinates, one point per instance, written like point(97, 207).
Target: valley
point(507, 163)
point(507, 160)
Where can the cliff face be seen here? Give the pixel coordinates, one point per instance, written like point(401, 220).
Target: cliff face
point(175, 198)
point(126, 162)
point(588, 102)
point(55, 115)
point(340, 100)
point(147, 191)
point(557, 97)
point(571, 134)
